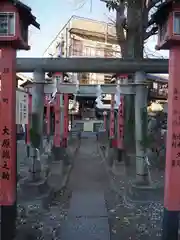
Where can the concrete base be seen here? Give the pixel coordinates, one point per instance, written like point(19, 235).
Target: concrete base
point(170, 225)
point(37, 191)
point(67, 159)
point(60, 167)
point(35, 168)
point(119, 155)
point(48, 147)
point(122, 157)
point(30, 189)
point(58, 153)
point(142, 181)
point(103, 150)
point(114, 156)
point(8, 222)
point(35, 172)
point(110, 156)
point(28, 151)
point(145, 193)
point(102, 137)
point(56, 175)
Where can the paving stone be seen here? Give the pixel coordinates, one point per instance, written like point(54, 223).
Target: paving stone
point(88, 204)
point(86, 229)
point(87, 217)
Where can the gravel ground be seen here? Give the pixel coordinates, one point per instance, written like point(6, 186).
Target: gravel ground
point(43, 224)
point(133, 221)
point(127, 220)
point(37, 222)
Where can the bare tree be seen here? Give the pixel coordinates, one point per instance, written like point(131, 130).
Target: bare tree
point(133, 24)
point(133, 28)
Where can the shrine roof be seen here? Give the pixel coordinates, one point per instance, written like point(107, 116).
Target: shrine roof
point(26, 11)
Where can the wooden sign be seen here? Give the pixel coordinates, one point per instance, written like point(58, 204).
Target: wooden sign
point(28, 125)
point(22, 105)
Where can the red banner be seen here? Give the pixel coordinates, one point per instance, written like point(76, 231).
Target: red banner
point(111, 134)
point(120, 124)
point(48, 111)
point(47, 104)
point(57, 138)
point(66, 119)
point(8, 127)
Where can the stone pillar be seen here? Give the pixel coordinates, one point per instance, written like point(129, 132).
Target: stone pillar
point(36, 131)
point(140, 105)
point(35, 186)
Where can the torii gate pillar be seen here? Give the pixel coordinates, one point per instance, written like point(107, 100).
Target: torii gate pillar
point(13, 36)
point(169, 38)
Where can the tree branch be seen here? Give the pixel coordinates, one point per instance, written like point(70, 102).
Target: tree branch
point(152, 3)
point(152, 32)
point(121, 20)
point(113, 4)
point(124, 24)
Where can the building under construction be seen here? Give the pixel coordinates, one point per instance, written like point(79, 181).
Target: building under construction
point(83, 37)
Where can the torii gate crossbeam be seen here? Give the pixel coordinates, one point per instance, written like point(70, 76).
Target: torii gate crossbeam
point(96, 65)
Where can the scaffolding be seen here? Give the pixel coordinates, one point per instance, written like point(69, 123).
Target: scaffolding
point(83, 37)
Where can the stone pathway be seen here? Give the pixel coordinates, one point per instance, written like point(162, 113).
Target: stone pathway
point(92, 206)
point(87, 216)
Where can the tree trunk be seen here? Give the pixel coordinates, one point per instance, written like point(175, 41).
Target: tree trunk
point(132, 45)
point(134, 40)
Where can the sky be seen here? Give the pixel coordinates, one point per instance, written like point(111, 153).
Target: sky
point(53, 15)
